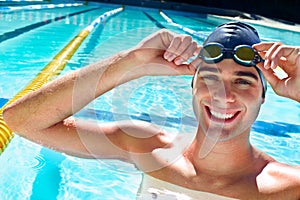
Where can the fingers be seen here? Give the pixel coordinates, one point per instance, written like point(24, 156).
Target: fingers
point(172, 52)
point(270, 75)
point(187, 53)
point(267, 50)
point(277, 54)
point(159, 40)
point(181, 48)
point(271, 58)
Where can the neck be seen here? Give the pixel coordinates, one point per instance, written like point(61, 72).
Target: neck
point(235, 156)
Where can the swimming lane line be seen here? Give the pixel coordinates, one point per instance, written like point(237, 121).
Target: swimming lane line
point(21, 1)
point(197, 34)
point(157, 23)
point(25, 29)
point(6, 9)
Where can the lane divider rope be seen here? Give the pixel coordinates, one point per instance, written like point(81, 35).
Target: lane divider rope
point(38, 7)
point(50, 71)
point(21, 0)
point(185, 29)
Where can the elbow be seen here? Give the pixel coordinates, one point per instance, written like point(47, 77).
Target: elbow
point(11, 119)
point(8, 117)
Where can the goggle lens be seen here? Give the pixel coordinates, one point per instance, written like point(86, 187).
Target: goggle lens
point(243, 54)
point(212, 52)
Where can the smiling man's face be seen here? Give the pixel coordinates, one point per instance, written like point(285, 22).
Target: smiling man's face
point(227, 98)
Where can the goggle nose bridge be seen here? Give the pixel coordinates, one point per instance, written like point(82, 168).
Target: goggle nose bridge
point(227, 53)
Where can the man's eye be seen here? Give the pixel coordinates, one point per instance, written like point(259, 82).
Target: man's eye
point(243, 82)
point(210, 78)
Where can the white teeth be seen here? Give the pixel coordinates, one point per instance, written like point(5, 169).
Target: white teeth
point(221, 115)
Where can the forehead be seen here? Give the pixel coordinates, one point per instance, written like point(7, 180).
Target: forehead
point(228, 67)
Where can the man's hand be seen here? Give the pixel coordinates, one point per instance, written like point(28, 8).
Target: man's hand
point(288, 59)
point(166, 53)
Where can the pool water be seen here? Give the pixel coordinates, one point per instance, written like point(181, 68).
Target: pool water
point(29, 39)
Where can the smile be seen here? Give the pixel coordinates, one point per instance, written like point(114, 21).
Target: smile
point(222, 116)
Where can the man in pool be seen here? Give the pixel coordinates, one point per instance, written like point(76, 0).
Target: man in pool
point(228, 90)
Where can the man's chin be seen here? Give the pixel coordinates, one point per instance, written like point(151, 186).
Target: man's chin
point(219, 135)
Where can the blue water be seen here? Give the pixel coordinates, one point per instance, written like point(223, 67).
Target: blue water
point(30, 39)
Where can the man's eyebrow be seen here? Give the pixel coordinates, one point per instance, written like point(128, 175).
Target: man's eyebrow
point(209, 69)
point(238, 73)
point(244, 73)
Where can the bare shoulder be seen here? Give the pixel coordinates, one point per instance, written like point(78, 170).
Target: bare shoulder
point(153, 149)
point(148, 146)
point(281, 177)
point(282, 170)
point(141, 136)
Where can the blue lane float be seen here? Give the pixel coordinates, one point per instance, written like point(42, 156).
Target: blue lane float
point(101, 18)
point(197, 34)
point(38, 7)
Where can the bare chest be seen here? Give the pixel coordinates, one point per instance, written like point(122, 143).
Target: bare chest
point(262, 187)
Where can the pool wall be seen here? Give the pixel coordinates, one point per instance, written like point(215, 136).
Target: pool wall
point(274, 9)
point(177, 6)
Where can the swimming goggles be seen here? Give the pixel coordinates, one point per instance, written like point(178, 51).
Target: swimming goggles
point(242, 54)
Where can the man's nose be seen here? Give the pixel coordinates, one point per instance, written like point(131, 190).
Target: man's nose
point(224, 93)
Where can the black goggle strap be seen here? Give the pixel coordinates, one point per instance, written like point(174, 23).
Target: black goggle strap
point(258, 58)
point(263, 81)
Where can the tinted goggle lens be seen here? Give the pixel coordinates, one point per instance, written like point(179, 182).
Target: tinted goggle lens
point(212, 52)
point(243, 54)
